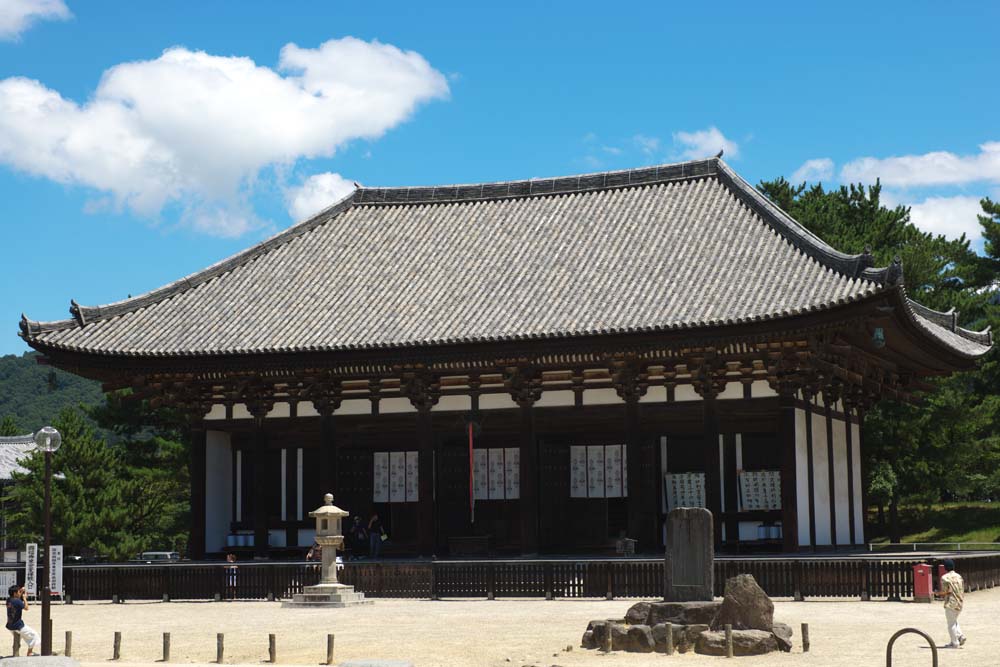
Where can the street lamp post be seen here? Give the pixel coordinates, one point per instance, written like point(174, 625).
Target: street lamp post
point(47, 440)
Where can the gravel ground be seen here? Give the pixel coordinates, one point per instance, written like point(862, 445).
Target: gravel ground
point(487, 633)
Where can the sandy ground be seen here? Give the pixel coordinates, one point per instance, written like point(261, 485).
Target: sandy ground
point(487, 633)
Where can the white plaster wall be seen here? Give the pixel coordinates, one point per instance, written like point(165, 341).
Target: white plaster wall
point(821, 480)
point(685, 392)
point(453, 404)
point(355, 406)
point(397, 404)
point(552, 399)
point(748, 530)
point(306, 409)
point(240, 411)
point(859, 510)
point(801, 479)
point(276, 537)
point(601, 397)
point(761, 389)
point(734, 389)
point(496, 402)
point(280, 410)
point(655, 395)
point(218, 489)
point(840, 481)
point(218, 411)
point(306, 536)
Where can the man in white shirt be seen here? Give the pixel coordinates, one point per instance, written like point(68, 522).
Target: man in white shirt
point(953, 592)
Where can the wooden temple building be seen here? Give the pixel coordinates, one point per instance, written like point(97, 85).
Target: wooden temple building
point(534, 367)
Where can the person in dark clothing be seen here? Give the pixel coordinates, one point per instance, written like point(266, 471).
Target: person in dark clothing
point(375, 536)
point(16, 605)
point(359, 538)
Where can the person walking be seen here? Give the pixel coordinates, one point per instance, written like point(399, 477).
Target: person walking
point(359, 538)
point(16, 605)
point(953, 592)
point(375, 536)
point(231, 569)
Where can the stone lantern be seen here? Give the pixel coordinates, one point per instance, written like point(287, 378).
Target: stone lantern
point(329, 536)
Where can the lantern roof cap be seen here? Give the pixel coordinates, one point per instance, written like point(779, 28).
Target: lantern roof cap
point(328, 509)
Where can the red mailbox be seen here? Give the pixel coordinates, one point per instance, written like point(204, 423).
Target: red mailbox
point(923, 583)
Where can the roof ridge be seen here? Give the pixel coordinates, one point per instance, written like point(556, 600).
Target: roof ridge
point(28, 439)
point(601, 180)
point(949, 320)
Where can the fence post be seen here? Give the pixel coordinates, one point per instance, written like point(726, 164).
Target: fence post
point(116, 651)
point(866, 594)
point(805, 637)
point(491, 582)
point(68, 645)
point(611, 581)
point(220, 646)
point(434, 583)
point(17, 644)
point(166, 647)
point(547, 569)
point(797, 581)
point(272, 649)
point(329, 649)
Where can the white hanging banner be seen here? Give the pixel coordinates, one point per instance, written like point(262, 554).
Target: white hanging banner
point(496, 474)
point(481, 482)
point(55, 566)
point(595, 471)
point(397, 477)
point(8, 578)
point(31, 569)
point(381, 481)
point(613, 471)
point(577, 472)
point(412, 477)
point(512, 477)
point(624, 471)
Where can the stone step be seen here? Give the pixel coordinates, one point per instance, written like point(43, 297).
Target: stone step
point(320, 605)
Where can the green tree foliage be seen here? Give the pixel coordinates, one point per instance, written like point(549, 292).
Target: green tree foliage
point(33, 394)
point(117, 499)
point(945, 447)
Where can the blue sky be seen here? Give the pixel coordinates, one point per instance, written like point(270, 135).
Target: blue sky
point(140, 142)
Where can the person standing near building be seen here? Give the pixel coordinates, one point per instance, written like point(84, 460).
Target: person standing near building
point(953, 592)
point(231, 569)
point(16, 605)
point(375, 536)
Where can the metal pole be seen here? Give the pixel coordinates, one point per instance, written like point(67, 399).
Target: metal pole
point(46, 601)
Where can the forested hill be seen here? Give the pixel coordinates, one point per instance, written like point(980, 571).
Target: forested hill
point(33, 395)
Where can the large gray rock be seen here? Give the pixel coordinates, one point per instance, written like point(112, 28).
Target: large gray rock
point(689, 566)
point(640, 639)
point(783, 635)
point(745, 642)
point(39, 661)
point(684, 613)
point(638, 613)
point(745, 606)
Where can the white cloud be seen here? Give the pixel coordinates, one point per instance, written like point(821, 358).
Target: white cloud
point(16, 16)
point(819, 169)
point(950, 216)
point(935, 168)
point(318, 192)
point(647, 145)
point(198, 129)
point(705, 143)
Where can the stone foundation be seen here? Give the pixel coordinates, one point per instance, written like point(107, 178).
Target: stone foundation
point(327, 595)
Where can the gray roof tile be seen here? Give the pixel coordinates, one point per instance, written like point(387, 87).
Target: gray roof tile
point(691, 245)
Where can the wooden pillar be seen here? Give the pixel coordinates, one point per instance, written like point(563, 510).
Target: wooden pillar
point(425, 483)
point(327, 459)
point(789, 484)
point(529, 478)
point(196, 469)
point(260, 485)
point(731, 490)
point(713, 486)
point(829, 399)
point(291, 457)
point(637, 528)
point(810, 470)
point(849, 439)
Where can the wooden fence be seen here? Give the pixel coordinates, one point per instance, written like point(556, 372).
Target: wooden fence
point(864, 578)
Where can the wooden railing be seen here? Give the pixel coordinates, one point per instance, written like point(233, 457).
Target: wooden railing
point(865, 578)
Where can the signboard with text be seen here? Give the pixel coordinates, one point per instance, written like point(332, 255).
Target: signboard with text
point(31, 569)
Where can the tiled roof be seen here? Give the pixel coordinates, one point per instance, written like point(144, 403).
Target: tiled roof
point(661, 248)
point(12, 450)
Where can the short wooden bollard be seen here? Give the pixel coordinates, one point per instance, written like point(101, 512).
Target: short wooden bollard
point(272, 649)
point(68, 646)
point(220, 646)
point(166, 647)
point(729, 640)
point(116, 652)
point(670, 638)
point(805, 637)
point(17, 644)
point(329, 649)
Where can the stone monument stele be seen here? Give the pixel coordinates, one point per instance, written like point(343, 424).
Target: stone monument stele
point(329, 535)
point(688, 573)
